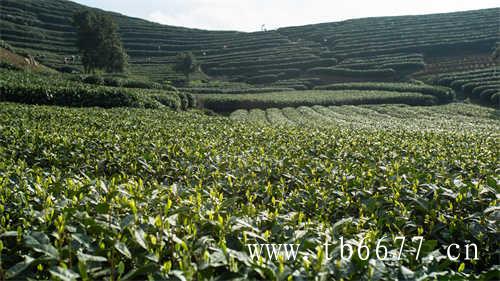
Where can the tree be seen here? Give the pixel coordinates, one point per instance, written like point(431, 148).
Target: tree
point(185, 63)
point(99, 42)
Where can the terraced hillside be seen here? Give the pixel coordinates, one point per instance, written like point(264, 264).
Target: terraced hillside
point(44, 29)
point(393, 47)
point(451, 35)
point(482, 84)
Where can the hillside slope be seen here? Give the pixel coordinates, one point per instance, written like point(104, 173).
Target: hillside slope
point(44, 29)
point(399, 46)
point(9, 59)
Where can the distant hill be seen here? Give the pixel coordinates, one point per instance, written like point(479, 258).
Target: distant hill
point(353, 50)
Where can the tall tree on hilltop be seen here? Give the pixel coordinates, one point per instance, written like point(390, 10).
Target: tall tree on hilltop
point(99, 42)
point(87, 40)
point(185, 63)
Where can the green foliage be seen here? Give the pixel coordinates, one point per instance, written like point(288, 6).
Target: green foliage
point(68, 69)
point(479, 85)
point(263, 79)
point(230, 102)
point(122, 82)
point(244, 90)
point(273, 75)
point(53, 90)
point(453, 116)
point(6, 46)
point(353, 73)
point(297, 83)
point(94, 79)
point(403, 64)
point(9, 66)
point(444, 94)
point(185, 63)
point(99, 42)
point(138, 194)
point(278, 67)
point(432, 35)
point(45, 30)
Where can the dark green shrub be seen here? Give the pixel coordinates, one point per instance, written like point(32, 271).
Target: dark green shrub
point(136, 84)
point(9, 66)
point(191, 100)
point(184, 101)
point(113, 82)
point(168, 100)
point(68, 69)
point(94, 79)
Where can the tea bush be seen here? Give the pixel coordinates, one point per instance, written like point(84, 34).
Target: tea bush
point(135, 194)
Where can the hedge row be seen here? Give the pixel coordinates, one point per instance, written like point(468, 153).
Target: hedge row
point(274, 76)
point(401, 63)
point(297, 83)
point(444, 94)
point(293, 83)
point(270, 61)
point(32, 89)
point(231, 102)
point(235, 90)
point(76, 96)
point(289, 71)
point(345, 72)
point(263, 79)
point(483, 91)
point(281, 52)
point(252, 69)
point(482, 85)
point(121, 82)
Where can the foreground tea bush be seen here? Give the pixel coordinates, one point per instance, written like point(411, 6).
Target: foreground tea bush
point(132, 194)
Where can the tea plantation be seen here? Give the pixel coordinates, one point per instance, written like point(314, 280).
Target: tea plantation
point(53, 89)
point(481, 85)
point(383, 49)
point(229, 102)
point(135, 194)
point(378, 137)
